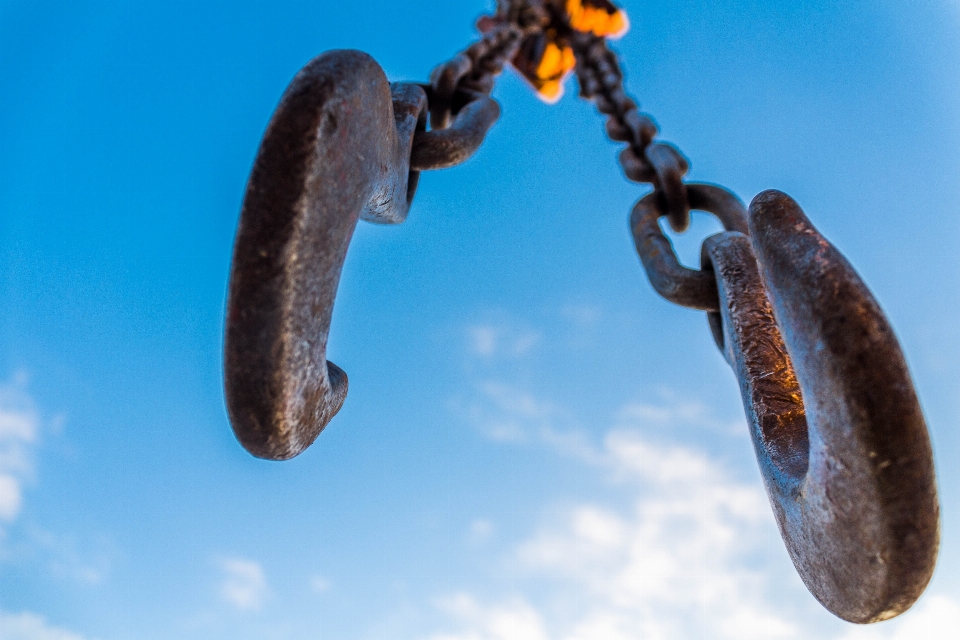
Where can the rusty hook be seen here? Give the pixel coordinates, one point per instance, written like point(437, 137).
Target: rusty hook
point(836, 424)
point(337, 149)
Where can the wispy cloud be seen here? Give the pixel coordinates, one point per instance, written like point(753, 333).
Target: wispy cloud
point(936, 618)
point(244, 584)
point(506, 413)
point(30, 626)
point(694, 553)
point(481, 530)
point(512, 620)
point(320, 584)
point(672, 410)
point(500, 341)
point(85, 564)
point(19, 431)
point(509, 413)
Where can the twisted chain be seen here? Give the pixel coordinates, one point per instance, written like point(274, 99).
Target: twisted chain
point(476, 68)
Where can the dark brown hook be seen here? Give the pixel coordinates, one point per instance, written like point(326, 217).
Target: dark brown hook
point(337, 149)
point(836, 424)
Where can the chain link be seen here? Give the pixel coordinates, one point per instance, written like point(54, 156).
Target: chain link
point(644, 160)
point(470, 75)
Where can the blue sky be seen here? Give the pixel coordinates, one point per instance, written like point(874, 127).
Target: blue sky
point(534, 446)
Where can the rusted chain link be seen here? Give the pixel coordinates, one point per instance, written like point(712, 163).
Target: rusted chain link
point(673, 281)
point(474, 69)
point(601, 80)
point(461, 110)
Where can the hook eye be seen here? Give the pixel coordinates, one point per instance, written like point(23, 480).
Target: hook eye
point(836, 423)
point(337, 148)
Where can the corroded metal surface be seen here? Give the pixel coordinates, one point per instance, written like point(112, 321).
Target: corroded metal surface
point(837, 428)
point(335, 149)
point(344, 144)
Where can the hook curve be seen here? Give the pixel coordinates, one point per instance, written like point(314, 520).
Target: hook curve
point(337, 149)
point(344, 144)
point(836, 424)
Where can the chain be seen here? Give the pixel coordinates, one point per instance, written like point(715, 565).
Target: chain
point(461, 112)
point(458, 95)
point(340, 148)
point(476, 68)
point(472, 73)
point(601, 80)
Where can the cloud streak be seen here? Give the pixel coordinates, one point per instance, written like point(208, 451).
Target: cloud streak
point(244, 585)
point(500, 341)
point(19, 431)
point(30, 626)
point(694, 551)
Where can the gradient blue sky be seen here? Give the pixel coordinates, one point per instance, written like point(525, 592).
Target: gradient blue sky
point(535, 446)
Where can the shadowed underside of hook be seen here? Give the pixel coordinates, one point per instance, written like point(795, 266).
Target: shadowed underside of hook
point(838, 430)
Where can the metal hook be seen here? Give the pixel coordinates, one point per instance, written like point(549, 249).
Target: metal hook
point(836, 424)
point(337, 149)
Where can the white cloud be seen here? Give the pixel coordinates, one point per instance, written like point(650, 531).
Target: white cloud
point(481, 530)
point(29, 626)
point(19, 430)
point(673, 565)
point(320, 584)
point(508, 414)
point(10, 497)
point(489, 341)
point(680, 561)
point(514, 620)
point(674, 411)
point(244, 585)
point(85, 564)
point(694, 553)
point(937, 617)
